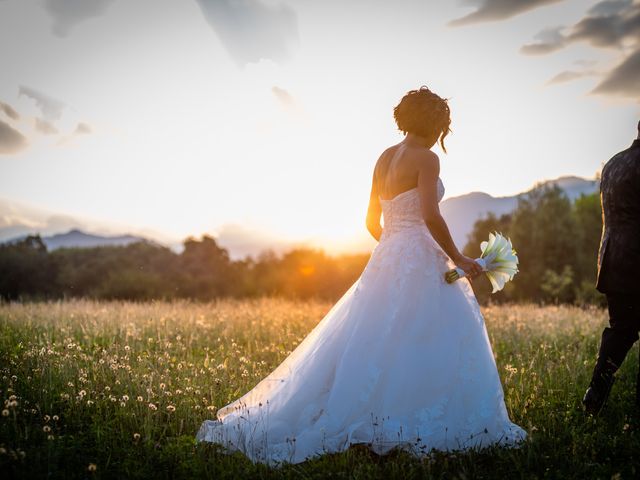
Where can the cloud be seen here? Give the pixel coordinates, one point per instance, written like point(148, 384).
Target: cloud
point(82, 129)
point(45, 127)
point(609, 24)
point(547, 41)
point(250, 30)
point(569, 75)
point(9, 111)
point(68, 13)
point(493, 10)
point(11, 140)
point(284, 97)
point(623, 80)
point(50, 107)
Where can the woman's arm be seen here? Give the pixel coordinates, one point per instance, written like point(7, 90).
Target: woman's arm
point(374, 211)
point(428, 172)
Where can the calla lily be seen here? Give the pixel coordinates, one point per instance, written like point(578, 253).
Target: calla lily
point(498, 259)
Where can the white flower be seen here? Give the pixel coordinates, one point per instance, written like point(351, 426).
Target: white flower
point(499, 260)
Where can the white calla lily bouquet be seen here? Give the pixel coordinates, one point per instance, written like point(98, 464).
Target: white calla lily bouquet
point(499, 260)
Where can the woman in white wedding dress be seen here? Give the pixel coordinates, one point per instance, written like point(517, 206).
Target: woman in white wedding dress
point(403, 359)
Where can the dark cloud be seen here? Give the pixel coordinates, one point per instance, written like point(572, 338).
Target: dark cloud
point(11, 140)
point(68, 13)
point(82, 129)
point(283, 96)
point(45, 127)
point(547, 41)
point(50, 107)
point(9, 111)
point(492, 10)
point(612, 24)
point(570, 75)
point(609, 24)
point(624, 80)
point(251, 30)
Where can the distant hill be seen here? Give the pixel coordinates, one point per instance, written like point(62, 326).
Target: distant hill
point(462, 212)
point(16, 221)
point(78, 238)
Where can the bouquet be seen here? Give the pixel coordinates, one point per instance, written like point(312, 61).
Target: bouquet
point(498, 259)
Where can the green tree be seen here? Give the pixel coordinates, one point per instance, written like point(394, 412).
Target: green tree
point(543, 232)
point(26, 271)
point(205, 270)
point(588, 218)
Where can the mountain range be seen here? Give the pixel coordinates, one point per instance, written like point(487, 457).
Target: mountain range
point(459, 212)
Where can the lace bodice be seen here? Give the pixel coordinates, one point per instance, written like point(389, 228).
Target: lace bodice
point(403, 210)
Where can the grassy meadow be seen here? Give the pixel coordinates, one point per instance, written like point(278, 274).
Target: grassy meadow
point(119, 389)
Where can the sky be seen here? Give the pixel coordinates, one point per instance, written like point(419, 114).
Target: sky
point(260, 119)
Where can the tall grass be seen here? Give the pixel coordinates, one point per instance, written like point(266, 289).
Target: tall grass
point(119, 389)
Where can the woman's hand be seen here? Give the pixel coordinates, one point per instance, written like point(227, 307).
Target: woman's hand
point(471, 268)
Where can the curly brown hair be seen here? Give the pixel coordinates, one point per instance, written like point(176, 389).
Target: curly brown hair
point(423, 113)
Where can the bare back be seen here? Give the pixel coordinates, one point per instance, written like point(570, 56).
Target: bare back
point(397, 170)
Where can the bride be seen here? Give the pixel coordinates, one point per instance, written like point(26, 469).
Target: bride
point(403, 359)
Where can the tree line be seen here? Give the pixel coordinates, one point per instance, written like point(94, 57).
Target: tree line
point(556, 240)
point(145, 271)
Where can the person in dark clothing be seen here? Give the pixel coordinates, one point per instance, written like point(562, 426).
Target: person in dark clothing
point(618, 270)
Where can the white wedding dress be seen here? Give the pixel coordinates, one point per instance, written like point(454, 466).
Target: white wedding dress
point(401, 360)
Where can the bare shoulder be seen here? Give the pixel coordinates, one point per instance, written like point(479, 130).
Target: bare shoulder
point(387, 153)
point(427, 160)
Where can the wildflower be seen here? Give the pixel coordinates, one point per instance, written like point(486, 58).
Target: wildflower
point(3, 450)
point(125, 398)
point(46, 429)
point(136, 436)
point(56, 418)
point(152, 406)
point(162, 386)
point(12, 397)
point(90, 402)
point(140, 399)
point(50, 437)
point(13, 403)
point(5, 413)
point(92, 467)
point(107, 388)
point(47, 418)
point(171, 408)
